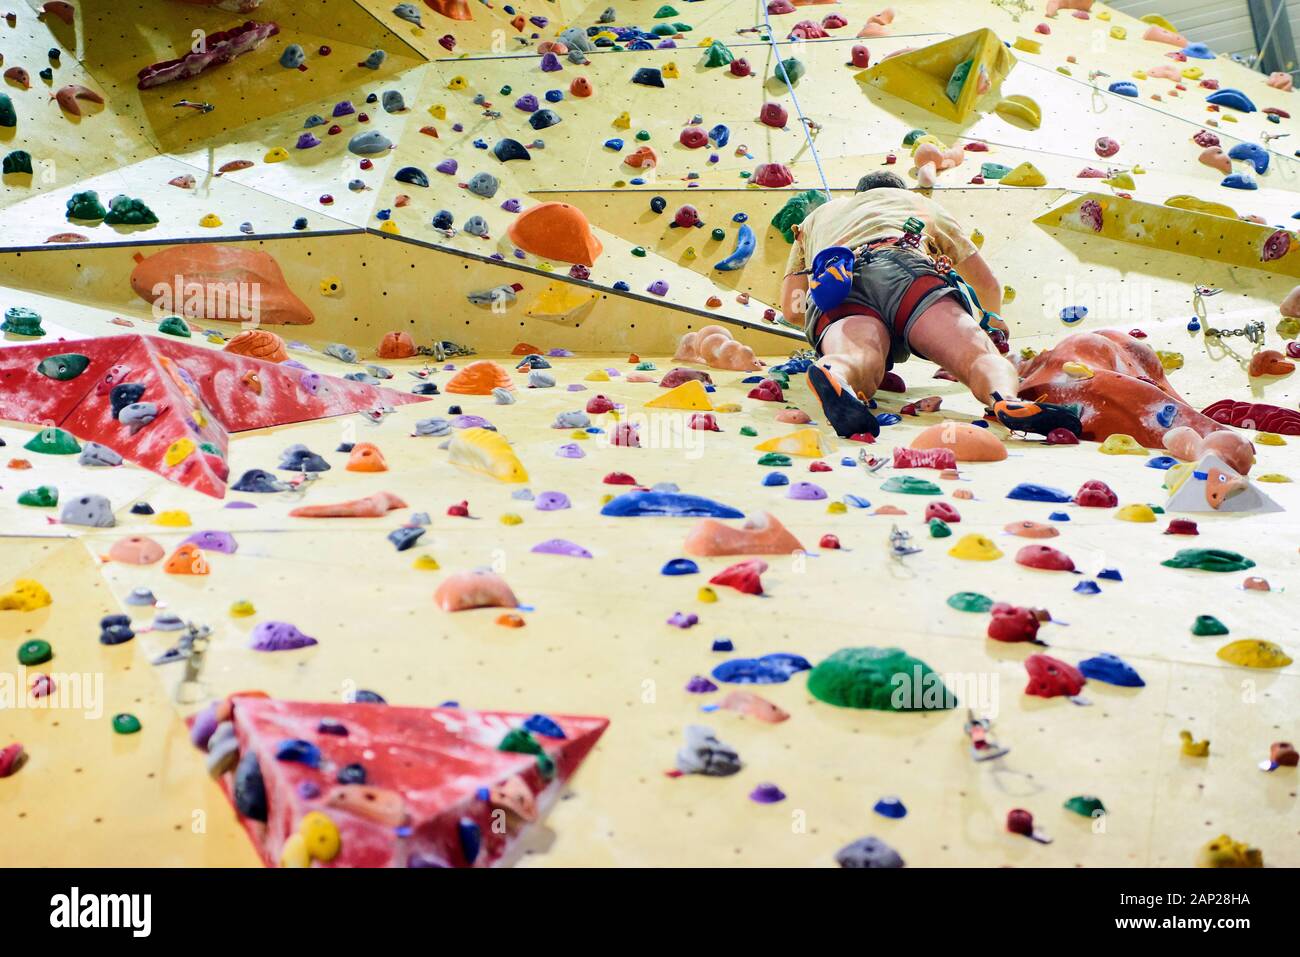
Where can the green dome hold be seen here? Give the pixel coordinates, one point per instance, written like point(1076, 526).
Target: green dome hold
point(34, 652)
point(774, 459)
point(748, 430)
point(1085, 805)
point(790, 70)
point(1210, 560)
point(643, 135)
point(646, 366)
point(8, 117)
point(86, 206)
point(65, 366)
point(174, 326)
point(20, 321)
point(970, 601)
point(43, 496)
point(1207, 625)
point(53, 441)
point(125, 211)
point(666, 11)
point(909, 485)
point(19, 161)
point(939, 528)
point(994, 170)
point(718, 54)
point(125, 723)
point(912, 137)
point(881, 679)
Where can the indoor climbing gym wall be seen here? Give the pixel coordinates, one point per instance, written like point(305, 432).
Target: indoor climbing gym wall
point(411, 460)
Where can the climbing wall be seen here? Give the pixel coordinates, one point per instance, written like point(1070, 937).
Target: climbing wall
point(395, 240)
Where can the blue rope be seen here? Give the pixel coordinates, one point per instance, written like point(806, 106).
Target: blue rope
point(807, 130)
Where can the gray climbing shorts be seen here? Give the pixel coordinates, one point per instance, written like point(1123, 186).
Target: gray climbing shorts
point(896, 285)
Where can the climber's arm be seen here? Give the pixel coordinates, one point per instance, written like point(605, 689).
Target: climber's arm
point(794, 297)
point(977, 272)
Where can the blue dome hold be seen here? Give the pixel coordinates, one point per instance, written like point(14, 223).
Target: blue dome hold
point(1112, 670)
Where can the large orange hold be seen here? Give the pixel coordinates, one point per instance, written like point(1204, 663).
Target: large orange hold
point(215, 281)
point(372, 506)
point(451, 9)
point(258, 344)
point(479, 378)
point(396, 345)
point(366, 457)
point(186, 560)
point(556, 231)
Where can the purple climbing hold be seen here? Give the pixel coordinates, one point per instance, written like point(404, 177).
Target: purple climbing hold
point(682, 620)
point(766, 794)
point(213, 541)
point(570, 451)
point(551, 502)
point(806, 492)
point(307, 140)
point(658, 288)
point(512, 205)
point(278, 636)
point(528, 103)
point(700, 685)
point(561, 546)
point(472, 422)
point(550, 63)
point(448, 166)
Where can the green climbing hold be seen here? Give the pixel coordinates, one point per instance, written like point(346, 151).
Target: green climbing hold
point(665, 12)
point(958, 80)
point(125, 723)
point(20, 321)
point(748, 431)
point(717, 54)
point(34, 652)
point(1159, 510)
point(125, 211)
point(780, 378)
point(643, 135)
point(19, 161)
point(970, 601)
point(174, 326)
point(1210, 560)
point(882, 679)
point(796, 210)
point(910, 485)
point(775, 459)
point(43, 496)
point(65, 366)
point(1085, 805)
point(939, 528)
point(53, 441)
point(210, 449)
point(86, 206)
point(994, 170)
point(663, 29)
point(1207, 625)
point(718, 234)
point(646, 366)
point(505, 91)
point(8, 117)
point(638, 251)
point(789, 70)
point(682, 27)
point(912, 137)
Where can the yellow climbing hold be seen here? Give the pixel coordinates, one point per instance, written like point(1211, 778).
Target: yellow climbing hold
point(727, 408)
point(1103, 14)
point(276, 155)
point(1008, 294)
point(1136, 513)
point(690, 395)
point(1028, 353)
point(1191, 203)
point(1274, 477)
point(1254, 653)
point(1156, 20)
point(320, 835)
point(457, 82)
point(707, 594)
point(486, 452)
point(1020, 107)
point(1121, 444)
point(1269, 438)
point(805, 442)
point(242, 609)
point(599, 375)
point(975, 548)
point(689, 254)
point(1223, 851)
point(331, 286)
point(178, 452)
point(1026, 45)
point(1192, 73)
point(623, 121)
point(210, 221)
point(1139, 74)
point(26, 595)
point(1170, 360)
point(669, 71)
point(977, 239)
point(1078, 370)
point(1120, 180)
point(390, 227)
point(1064, 71)
point(294, 853)
point(836, 508)
point(173, 518)
point(581, 434)
point(426, 563)
point(1193, 748)
point(1116, 32)
point(438, 111)
point(512, 518)
point(1026, 174)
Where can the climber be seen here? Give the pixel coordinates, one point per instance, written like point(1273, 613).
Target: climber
point(899, 295)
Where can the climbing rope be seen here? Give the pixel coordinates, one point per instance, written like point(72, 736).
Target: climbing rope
point(803, 120)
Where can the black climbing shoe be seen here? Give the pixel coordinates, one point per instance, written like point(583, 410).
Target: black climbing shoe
point(847, 414)
point(1021, 415)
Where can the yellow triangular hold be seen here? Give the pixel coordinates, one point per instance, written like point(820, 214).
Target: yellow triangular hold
point(924, 77)
point(689, 395)
point(805, 442)
point(1026, 174)
point(562, 302)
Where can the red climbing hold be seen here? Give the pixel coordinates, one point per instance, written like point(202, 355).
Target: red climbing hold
point(1182, 526)
point(829, 541)
point(1050, 677)
point(1013, 624)
point(939, 458)
point(1020, 821)
point(618, 478)
point(861, 56)
point(1095, 494)
point(740, 67)
point(893, 382)
point(819, 467)
point(693, 138)
point(704, 422)
point(808, 30)
point(773, 175)
point(1046, 557)
point(743, 576)
point(768, 391)
point(686, 217)
point(459, 510)
point(1062, 437)
point(942, 511)
point(773, 114)
point(599, 404)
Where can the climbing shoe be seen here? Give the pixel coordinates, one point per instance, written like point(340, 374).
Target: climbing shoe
point(846, 412)
point(1021, 415)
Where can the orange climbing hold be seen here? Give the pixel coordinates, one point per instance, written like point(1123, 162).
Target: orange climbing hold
point(372, 506)
point(556, 231)
point(366, 457)
point(135, 550)
point(526, 349)
point(581, 86)
point(396, 345)
point(479, 378)
point(258, 344)
point(451, 9)
point(476, 589)
point(187, 560)
point(762, 536)
point(642, 156)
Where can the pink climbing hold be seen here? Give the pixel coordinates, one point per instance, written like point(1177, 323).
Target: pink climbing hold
point(860, 56)
point(942, 511)
point(599, 404)
point(768, 391)
point(773, 175)
point(773, 114)
point(808, 30)
point(693, 138)
point(1096, 494)
point(742, 576)
point(1106, 147)
point(1052, 678)
point(740, 67)
point(834, 21)
point(778, 7)
point(686, 217)
point(1012, 624)
point(704, 422)
point(1044, 557)
point(625, 434)
point(938, 458)
point(1062, 437)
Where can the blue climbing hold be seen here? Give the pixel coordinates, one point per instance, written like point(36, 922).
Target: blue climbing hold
point(888, 418)
point(1161, 462)
point(543, 725)
point(1251, 153)
point(1124, 88)
point(471, 839)
point(719, 135)
point(1110, 574)
point(614, 143)
point(1059, 517)
point(667, 505)
point(1072, 314)
point(1233, 99)
point(723, 644)
point(1193, 324)
point(298, 751)
point(1088, 587)
point(1112, 670)
point(890, 807)
point(1198, 51)
point(848, 463)
point(856, 501)
point(679, 566)
point(1240, 181)
point(258, 480)
point(1029, 492)
point(768, 670)
point(773, 479)
point(1166, 414)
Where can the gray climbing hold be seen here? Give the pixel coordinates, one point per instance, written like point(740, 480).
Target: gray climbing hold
point(577, 56)
point(375, 60)
point(341, 352)
point(703, 753)
point(95, 455)
point(409, 13)
point(608, 15)
point(507, 149)
point(369, 143)
point(540, 380)
point(571, 420)
point(503, 396)
point(543, 119)
point(868, 852)
point(167, 621)
point(392, 101)
point(223, 749)
point(259, 480)
point(483, 184)
point(141, 596)
point(379, 372)
point(476, 226)
point(93, 511)
point(420, 518)
point(299, 458)
point(137, 415)
point(433, 427)
point(363, 377)
point(575, 38)
point(488, 297)
point(406, 536)
point(293, 56)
